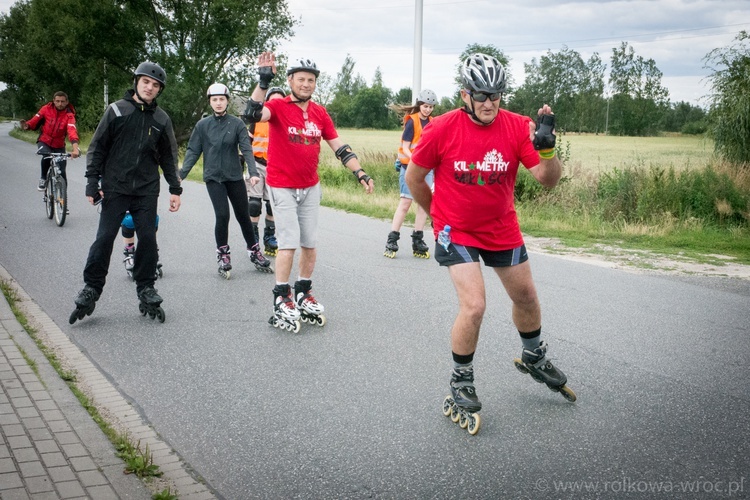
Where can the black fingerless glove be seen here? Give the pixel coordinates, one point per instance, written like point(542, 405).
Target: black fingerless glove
point(265, 75)
point(543, 137)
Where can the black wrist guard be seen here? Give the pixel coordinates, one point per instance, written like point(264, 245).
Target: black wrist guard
point(366, 178)
point(265, 75)
point(544, 138)
point(344, 154)
point(253, 111)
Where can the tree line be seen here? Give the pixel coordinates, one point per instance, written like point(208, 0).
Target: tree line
point(89, 49)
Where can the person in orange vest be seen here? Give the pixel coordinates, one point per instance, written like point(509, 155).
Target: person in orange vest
point(258, 193)
point(56, 119)
point(416, 118)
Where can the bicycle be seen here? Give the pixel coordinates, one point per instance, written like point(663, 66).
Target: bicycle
point(56, 188)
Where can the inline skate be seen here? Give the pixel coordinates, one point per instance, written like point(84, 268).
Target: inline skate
point(85, 304)
point(418, 246)
point(463, 404)
point(311, 311)
point(129, 260)
point(270, 246)
point(541, 369)
point(256, 256)
point(285, 314)
point(151, 304)
point(391, 246)
point(225, 261)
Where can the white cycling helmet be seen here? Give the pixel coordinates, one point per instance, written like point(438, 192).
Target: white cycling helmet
point(483, 73)
point(427, 96)
point(218, 89)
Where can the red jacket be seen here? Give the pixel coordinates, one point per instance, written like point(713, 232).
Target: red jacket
point(55, 125)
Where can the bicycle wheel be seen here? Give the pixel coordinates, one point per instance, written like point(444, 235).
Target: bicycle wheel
point(61, 201)
point(49, 198)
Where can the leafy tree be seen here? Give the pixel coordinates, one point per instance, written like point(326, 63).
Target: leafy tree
point(197, 42)
point(403, 96)
point(730, 98)
point(324, 89)
point(684, 117)
point(347, 85)
point(638, 98)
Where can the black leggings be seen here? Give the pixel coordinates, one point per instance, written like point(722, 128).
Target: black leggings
point(236, 193)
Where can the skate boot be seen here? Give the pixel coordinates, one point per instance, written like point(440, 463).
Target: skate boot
point(418, 246)
point(224, 260)
point(310, 310)
point(461, 406)
point(151, 304)
point(261, 263)
point(285, 315)
point(391, 246)
point(270, 246)
point(541, 369)
point(85, 304)
point(129, 260)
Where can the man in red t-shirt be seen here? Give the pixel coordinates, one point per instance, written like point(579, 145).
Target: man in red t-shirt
point(296, 128)
point(57, 119)
point(475, 153)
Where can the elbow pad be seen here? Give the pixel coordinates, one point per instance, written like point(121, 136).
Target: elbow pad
point(345, 153)
point(253, 111)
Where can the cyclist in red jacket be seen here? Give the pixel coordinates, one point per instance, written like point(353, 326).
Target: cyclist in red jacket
point(57, 119)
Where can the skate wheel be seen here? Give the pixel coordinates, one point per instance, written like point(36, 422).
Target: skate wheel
point(273, 321)
point(568, 393)
point(296, 327)
point(303, 318)
point(455, 414)
point(160, 315)
point(520, 366)
point(142, 309)
point(73, 317)
point(321, 320)
point(447, 406)
point(463, 420)
point(473, 423)
point(389, 254)
point(152, 314)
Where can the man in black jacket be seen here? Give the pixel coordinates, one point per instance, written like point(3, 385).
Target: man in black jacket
point(133, 139)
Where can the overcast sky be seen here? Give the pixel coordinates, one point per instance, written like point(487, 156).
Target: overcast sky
point(676, 34)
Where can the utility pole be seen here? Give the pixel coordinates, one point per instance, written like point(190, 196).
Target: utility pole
point(416, 79)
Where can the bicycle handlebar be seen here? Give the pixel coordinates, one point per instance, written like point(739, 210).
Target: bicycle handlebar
point(55, 155)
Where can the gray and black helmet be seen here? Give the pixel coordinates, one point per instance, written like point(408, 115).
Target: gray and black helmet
point(303, 65)
point(275, 90)
point(151, 70)
point(427, 96)
point(483, 73)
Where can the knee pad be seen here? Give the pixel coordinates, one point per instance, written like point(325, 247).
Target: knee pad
point(269, 210)
point(127, 222)
point(255, 206)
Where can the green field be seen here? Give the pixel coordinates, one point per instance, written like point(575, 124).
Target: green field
point(591, 152)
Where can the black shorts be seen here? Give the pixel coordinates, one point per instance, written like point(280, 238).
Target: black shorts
point(459, 254)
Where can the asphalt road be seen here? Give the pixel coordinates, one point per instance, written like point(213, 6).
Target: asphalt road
point(353, 410)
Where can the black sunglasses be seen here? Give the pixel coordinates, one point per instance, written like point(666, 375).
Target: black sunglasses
point(481, 96)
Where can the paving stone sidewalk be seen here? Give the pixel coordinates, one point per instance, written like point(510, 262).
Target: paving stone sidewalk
point(50, 447)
